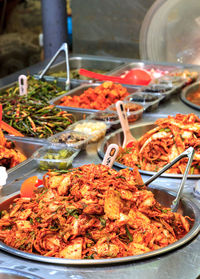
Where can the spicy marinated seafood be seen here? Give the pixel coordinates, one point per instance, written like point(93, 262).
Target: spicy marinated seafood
point(91, 212)
point(9, 155)
point(161, 145)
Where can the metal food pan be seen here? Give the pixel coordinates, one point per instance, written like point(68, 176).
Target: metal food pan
point(188, 90)
point(77, 115)
point(144, 65)
point(91, 63)
point(77, 92)
point(137, 130)
point(26, 147)
point(61, 83)
point(149, 66)
point(186, 207)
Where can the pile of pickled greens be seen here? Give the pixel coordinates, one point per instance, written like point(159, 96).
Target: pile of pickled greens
point(31, 114)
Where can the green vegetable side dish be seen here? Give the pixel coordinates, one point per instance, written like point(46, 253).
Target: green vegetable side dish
point(36, 120)
point(74, 74)
point(56, 160)
point(38, 91)
point(32, 115)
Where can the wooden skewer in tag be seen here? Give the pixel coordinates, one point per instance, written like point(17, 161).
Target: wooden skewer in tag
point(110, 155)
point(23, 85)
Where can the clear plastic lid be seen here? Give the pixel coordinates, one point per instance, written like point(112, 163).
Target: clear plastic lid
point(171, 32)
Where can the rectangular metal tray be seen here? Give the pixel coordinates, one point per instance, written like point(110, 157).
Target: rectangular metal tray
point(77, 92)
point(60, 83)
point(145, 66)
point(26, 147)
point(106, 64)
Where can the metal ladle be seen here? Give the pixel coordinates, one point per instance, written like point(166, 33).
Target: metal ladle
point(187, 153)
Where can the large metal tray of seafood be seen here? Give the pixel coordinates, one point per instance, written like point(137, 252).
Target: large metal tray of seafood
point(77, 92)
point(137, 131)
point(186, 207)
point(189, 95)
point(92, 63)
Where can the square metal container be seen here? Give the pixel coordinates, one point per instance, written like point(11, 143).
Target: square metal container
point(60, 82)
point(77, 92)
point(144, 65)
point(91, 63)
point(26, 146)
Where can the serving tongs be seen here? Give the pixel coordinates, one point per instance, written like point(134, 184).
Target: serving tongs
point(187, 153)
point(64, 48)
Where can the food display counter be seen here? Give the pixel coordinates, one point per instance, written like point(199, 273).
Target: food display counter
point(182, 262)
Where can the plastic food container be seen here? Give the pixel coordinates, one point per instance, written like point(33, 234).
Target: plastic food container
point(95, 129)
point(71, 138)
point(158, 88)
point(134, 111)
point(55, 157)
point(149, 101)
point(110, 118)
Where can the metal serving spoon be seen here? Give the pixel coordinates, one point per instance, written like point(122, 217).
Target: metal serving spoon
point(187, 153)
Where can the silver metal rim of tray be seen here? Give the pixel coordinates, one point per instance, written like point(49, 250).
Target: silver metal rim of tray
point(121, 166)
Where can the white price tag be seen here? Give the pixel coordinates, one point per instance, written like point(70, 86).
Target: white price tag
point(23, 85)
point(3, 176)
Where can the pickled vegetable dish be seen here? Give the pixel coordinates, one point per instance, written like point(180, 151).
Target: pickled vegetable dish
point(98, 98)
point(161, 145)
point(36, 120)
point(38, 91)
point(56, 159)
point(91, 212)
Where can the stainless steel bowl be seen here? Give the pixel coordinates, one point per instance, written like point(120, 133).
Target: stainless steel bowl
point(186, 207)
point(137, 131)
point(190, 89)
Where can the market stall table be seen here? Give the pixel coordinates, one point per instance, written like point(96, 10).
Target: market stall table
point(180, 263)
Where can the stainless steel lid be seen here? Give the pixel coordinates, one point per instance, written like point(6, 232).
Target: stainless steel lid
point(170, 32)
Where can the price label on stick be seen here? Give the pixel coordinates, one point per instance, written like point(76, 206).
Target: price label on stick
point(23, 85)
